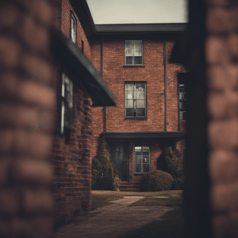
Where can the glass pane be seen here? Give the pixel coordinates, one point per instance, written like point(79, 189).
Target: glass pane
point(138, 60)
point(129, 48)
point(138, 159)
point(129, 59)
point(129, 86)
point(182, 95)
point(62, 117)
point(138, 148)
point(138, 48)
point(140, 93)
point(63, 88)
point(130, 112)
point(138, 168)
point(140, 104)
point(183, 115)
point(129, 94)
point(145, 148)
point(129, 104)
point(182, 105)
point(145, 152)
point(145, 159)
point(140, 112)
point(146, 168)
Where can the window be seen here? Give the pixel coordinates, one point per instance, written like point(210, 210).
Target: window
point(142, 159)
point(135, 100)
point(73, 28)
point(66, 104)
point(133, 52)
point(182, 100)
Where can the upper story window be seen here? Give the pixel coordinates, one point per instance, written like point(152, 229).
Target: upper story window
point(135, 100)
point(133, 52)
point(66, 104)
point(73, 28)
point(182, 100)
point(141, 159)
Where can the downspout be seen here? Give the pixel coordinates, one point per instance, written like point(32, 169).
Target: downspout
point(165, 89)
point(101, 71)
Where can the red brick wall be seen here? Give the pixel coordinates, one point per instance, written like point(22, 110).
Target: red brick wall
point(115, 75)
point(71, 159)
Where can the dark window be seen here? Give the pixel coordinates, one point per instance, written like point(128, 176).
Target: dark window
point(182, 101)
point(73, 28)
point(66, 104)
point(82, 46)
point(135, 100)
point(141, 159)
point(133, 52)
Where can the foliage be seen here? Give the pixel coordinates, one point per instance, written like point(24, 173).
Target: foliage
point(104, 174)
point(156, 181)
point(172, 161)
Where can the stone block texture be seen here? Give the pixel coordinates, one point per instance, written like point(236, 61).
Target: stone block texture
point(27, 104)
point(221, 59)
point(71, 158)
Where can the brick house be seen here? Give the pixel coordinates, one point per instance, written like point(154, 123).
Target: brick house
point(79, 87)
point(150, 91)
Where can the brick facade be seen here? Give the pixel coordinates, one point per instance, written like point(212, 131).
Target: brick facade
point(115, 74)
point(71, 158)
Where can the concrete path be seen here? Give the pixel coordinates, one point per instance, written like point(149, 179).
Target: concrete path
point(113, 220)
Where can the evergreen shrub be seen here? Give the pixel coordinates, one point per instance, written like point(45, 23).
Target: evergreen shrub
point(157, 180)
point(172, 161)
point(104, 175)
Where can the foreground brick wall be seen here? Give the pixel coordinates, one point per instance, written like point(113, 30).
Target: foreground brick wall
point(222, 102)
point(27, 102)
point(71, 159)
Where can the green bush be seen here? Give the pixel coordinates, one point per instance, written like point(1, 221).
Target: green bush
point(104, 174)
point(172, 161)
point(156, 181)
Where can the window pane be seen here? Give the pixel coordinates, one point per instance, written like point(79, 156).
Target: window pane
point(129, 59)
point(129, 86)
point(145, 159)
point(138, 60)
point(138, 48)
point(129, 94)
point(146, 148)
point(138, 148)
point(130, 112)
point(140, 93)
point(182, 105)
point(138, 168)
point(138, 159)
point(140, 112)
point(129, 48)
point(183, 115)
point(145, 153)
point(140, 103)
point(146, 168)
point(129, 104)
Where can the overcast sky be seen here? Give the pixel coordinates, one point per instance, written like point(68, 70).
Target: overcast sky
point(138, 11)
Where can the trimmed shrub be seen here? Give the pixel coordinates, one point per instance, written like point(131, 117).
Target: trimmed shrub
point(157, 180)
point(172, 161)
point(104, 174)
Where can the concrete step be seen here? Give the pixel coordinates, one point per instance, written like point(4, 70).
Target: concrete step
point(125, 186)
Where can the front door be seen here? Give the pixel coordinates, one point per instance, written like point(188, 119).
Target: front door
point(119, 157)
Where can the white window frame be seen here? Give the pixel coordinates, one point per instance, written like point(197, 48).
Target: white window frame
point(133, 56)
point(145, 101)
point(142, 172)
point(73, 28)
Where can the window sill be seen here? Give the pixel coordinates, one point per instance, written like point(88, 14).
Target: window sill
point(136, 118)
point(133, 65)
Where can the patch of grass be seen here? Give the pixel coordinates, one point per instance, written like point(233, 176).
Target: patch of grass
point(175, 199)
point(171, 226)
point(100, 200)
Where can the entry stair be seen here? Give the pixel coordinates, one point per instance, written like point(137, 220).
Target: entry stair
point(129, 187)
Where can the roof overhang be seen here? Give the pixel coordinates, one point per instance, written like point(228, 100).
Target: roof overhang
point(92, 30)
point(143, 135)
point(80, 69)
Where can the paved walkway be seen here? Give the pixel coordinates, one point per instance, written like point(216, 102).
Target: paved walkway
point(113, 220)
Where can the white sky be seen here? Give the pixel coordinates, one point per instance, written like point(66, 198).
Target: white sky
point(138, 11)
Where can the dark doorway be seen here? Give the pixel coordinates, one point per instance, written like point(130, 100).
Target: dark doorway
point(119, 157)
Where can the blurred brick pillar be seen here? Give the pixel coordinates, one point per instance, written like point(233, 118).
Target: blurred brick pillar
point(27, 102)
point(221, 50)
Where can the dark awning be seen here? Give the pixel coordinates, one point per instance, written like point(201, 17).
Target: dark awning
point(80, 69)
point(125, 135)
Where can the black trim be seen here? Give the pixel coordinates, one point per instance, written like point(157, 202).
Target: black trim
point(80, 69)
point(118, 135)
point(165, 89)
point(140, 28)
